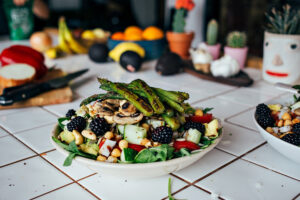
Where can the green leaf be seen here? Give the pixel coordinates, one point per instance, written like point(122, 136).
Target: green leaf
point(297, 87)
point(73, 147)
point(69, 159)
point(60, 120)
point(182, 152)
point(206, 110)
point(61, 144)
point(145, 156)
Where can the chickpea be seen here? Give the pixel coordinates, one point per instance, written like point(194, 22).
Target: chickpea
point(286, 116)
point(116, 153)
point(108, 135)
point(146, 142)
point(269, 129)
point(295, 121)
point(287, 122)
point(123, 144)
point(112, 159)
point(280, 123)
point(199, 112)
point(101, 158)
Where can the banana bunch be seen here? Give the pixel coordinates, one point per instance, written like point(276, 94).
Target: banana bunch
point(116, 53)
point(66, 42)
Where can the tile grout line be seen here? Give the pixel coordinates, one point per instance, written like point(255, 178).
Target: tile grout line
point(179, 190)
point(11, 163)
point(48, 161)
point(18, 132)
point(298, 195)
point(207, 191)
point(55, 189)
point(269, 169)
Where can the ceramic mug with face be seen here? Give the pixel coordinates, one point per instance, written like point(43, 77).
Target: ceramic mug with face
point(281, 61)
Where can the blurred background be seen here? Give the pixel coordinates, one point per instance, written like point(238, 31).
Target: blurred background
point(116, 15)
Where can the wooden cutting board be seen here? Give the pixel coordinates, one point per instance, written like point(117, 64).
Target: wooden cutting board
point(57, 96)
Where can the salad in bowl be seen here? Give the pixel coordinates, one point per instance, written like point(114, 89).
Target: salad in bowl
point(279, 124)
point(133, 124)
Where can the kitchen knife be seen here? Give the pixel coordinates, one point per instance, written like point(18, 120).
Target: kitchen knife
point(286, 87)
point(23, 92)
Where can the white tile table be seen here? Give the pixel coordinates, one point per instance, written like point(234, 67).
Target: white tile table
point(242, 166)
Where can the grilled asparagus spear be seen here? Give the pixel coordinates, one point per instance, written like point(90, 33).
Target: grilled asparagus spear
point(153, 99)
point(95, 97)
point(174, 96)
point(171, 121)
point(171, 103)
point(139, 103)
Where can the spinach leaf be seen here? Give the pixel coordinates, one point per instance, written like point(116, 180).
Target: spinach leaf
point(206, 110)
point(160, 152)
point(72, 148)
point(145, 156)
point(68, 160)
point(182, 152)
point(60, 120)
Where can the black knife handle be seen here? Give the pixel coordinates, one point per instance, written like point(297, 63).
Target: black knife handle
point(23, 93)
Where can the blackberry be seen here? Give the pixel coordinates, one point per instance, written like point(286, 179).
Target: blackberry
point(296, 128)
point(70, 113)
point(78, 123)
point(265, 121)
point(200, 127)
point(162, 134)
point(262, 110)
point(99, 126)
point(293, 138)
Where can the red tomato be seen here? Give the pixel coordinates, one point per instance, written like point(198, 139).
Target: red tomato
point(185, 144)
point(206, 118)
point(136, 147)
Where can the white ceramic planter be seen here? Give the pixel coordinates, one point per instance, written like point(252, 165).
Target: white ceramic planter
point(281, 60)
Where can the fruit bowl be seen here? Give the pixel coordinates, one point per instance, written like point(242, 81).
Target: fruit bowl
point(286, 149)
point(136, 171)
point(154, 48)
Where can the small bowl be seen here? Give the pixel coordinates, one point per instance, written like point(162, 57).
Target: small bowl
point(154, 48)
point(286, 149)
point(136, 171)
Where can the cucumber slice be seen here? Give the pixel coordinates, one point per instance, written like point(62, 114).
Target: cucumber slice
point(295, 106)
point(134, 134)
point(155, 123)
point(193, 135)
point(121, 129)
point(128, 155)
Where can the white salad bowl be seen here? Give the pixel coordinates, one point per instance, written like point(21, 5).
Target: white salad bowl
point(136, 171)
point(286, 149)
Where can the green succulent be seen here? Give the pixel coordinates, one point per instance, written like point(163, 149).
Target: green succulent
point(236, 39)
point(285, 21)
point(212, 32)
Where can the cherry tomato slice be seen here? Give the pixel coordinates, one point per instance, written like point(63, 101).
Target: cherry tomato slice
point(136, 147)
point(206, 118)
point(185, 144)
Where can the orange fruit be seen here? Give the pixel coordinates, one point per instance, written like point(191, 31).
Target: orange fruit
point(118, 36)
point(153, 33)
point(133, 30)
point(133, 37)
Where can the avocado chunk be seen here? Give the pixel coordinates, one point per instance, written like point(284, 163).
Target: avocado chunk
point(66, 136)
point(90, 148)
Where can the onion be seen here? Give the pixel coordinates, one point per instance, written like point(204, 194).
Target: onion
point(40, 41)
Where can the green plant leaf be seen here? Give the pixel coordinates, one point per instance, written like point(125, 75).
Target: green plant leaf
point(60, 120)
point(206, 110)
point(69, 159)
point(145, 156)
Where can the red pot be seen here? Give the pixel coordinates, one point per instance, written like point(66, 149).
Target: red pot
point(180, 43)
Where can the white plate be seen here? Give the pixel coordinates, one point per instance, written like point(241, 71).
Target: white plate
point(288, 150)
point(137, 171)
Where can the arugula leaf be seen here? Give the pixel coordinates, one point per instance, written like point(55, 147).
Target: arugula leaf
point(296, 99)
point(60, 120)
point(206, 110)
point(297, 87)
point(68, 160)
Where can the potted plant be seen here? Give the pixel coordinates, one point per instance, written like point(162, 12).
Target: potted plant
point(281, 58)
point(236, 47)
point(211, 39)
point(179, 40)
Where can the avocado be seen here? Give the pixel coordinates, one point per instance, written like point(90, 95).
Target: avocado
point(98, 53)
point(66, 136)
point(90, 148)
point(131, 61)
point(169, 64)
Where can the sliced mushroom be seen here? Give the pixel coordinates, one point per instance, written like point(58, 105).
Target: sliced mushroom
point(132, 119)
point(102, 109)
point(115, 103)
point(109, 119)
point(126, 108)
